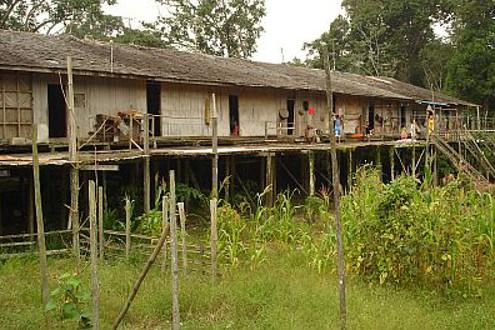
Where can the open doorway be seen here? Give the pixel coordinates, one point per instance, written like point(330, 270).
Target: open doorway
point(292, 117)
point(57, 112)
point(371, 117)
point(234, 115)
point(153, 102)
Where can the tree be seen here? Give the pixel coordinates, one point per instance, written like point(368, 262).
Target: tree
point(471, 71)
point(81, 17)
point(227, 28)
point(382, 37)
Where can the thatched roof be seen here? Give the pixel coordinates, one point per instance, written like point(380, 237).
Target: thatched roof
point(39, 53)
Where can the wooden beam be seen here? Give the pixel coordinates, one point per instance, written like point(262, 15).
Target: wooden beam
point(102, 168)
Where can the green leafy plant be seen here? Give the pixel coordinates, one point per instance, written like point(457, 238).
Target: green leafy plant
point(68, 300)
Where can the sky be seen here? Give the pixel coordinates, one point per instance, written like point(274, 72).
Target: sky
point(288, 24)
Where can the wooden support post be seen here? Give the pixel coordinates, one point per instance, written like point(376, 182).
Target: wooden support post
point(392, 163)
point(336, 192)
point(350, 166)
point(146, 167)
point(101, 237)
point(45, 295)
point(270, 178)
point(183, 236)
point(30, 209)
point(312, 178)
point(127, 227)
point(214, 148)
point(378, 161)
point(93, 247)
point(74, 170)
point(140, 280)
point(435, 167)
point(213, 238)
point(413, 170)
point(228, 178)
point(165, 228)
point(173, 255)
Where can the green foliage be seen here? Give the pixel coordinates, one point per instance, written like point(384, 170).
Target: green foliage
point(81, 17)
point(68, 300)
point(380, 38)
point(188, 195)
point(224, 28)
point(404, 232)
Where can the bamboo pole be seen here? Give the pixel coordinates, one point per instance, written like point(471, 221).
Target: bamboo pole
point(140, 280)
point(173, 255)
point(214, 146)
point(183, 236)
point(95, 291)
point(127, 227)
point(146, 167)
point(312, 180)
point(101, 237)
point(336, 193)
point(213, 238)
point(74, 170)
point(39, 221)
point(165, 227)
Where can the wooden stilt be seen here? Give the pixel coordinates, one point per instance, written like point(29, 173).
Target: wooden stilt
point(312, 178)
point(146, 167)
point(214, 144)
point(183, 236)
point(228, 179)
point(392, 163)
point(413, 170)
point(165, 229)
point(213, 238)
point(350, 170)
point(101, 237)
point(45, 295)
point(30, 209)
point(74, 170)
point(269, 179)
point(336, 193)
point(127, 227)
point(173, 254)
point(93, 246)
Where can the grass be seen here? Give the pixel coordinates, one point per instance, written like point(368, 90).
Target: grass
point(282, 293)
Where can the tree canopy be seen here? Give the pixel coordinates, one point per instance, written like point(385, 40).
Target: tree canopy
point(227, 28)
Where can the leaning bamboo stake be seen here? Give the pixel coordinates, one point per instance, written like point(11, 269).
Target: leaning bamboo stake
point(101, 237)
point(213, 238)
point(336, 191)
point(165, 227)
point(183, 235)
point(127, 227)
point(95, 290)
point(173, 256)
point(140, 280)
point(39, 221)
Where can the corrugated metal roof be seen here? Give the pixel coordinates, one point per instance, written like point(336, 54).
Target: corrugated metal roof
point(36, 52)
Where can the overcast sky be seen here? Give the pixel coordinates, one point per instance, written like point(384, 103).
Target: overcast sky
point(288, 23)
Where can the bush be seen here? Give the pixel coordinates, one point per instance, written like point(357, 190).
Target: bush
point(405, 231)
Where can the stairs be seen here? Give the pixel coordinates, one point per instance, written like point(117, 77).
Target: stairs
point(472, 161)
